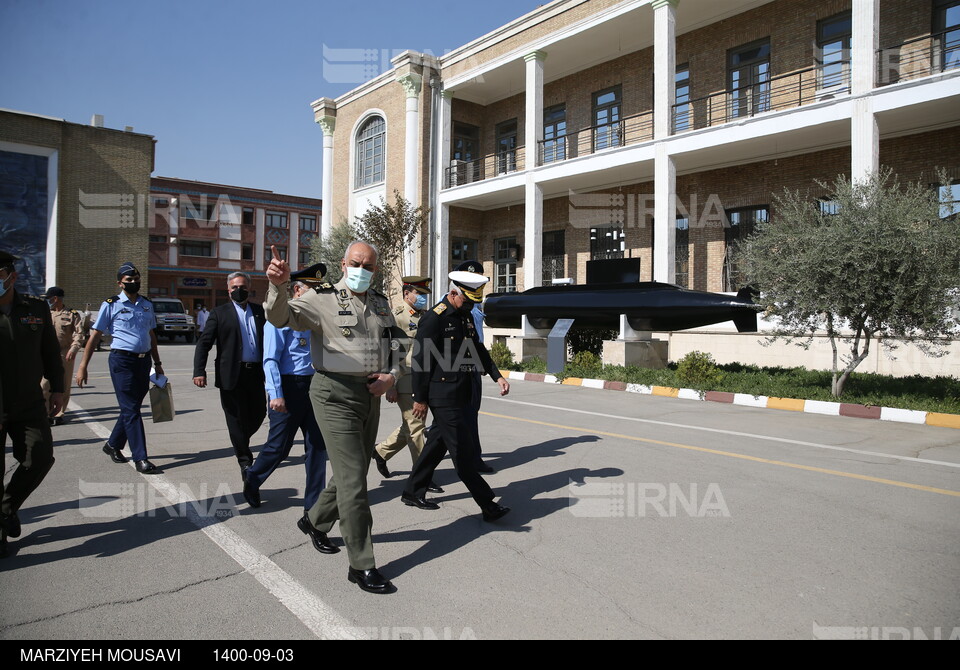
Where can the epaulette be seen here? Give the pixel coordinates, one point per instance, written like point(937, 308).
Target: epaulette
point(440, 308)
point(398, 309)
point(113, 299)
point(325, 286)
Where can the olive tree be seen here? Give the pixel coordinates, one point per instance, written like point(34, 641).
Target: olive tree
point(329, 249)
point(881, 262)
point(392, 228)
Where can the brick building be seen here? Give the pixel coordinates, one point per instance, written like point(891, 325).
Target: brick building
point(202, 232)
point(73, 203)
point(658, 130)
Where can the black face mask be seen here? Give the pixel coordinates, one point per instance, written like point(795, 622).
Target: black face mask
point(239, 294)
point(131, 287)
point(467, 307)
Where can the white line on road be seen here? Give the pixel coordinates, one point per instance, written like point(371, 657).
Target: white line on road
point(730, 432)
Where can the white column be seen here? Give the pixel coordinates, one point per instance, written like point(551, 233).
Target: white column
point(173, 230)
point(533, 122)
point(293, 249)
point(327, 124)
point(412, 84)
point(664, 65)
point(665, 217)
point(864, 42)
point(864, 140)
point(446, 131)
point(260, 217)
point(532, 235)
point(441, 238)
point(442, 259)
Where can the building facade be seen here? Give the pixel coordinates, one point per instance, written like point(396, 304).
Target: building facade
point(202, 232)
point(73, 203)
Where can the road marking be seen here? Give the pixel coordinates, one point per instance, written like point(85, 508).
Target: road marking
point(830, 447)
point(321, 619)
point(730, 454)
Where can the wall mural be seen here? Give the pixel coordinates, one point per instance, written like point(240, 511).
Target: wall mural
point(24, 218)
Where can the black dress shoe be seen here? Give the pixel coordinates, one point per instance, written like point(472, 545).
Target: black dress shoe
point(494, 511)
point(251, 494)
point(10, 523)
point(243, 473)
point(483, 467)
point(147, 468)
point(370, 580)
point(414, 501)
point(114, 454)
point(56, 421)
point(433, 488)
point(320, 541)
point(381, 465)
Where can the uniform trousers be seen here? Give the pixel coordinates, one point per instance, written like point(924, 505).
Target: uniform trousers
point(244, 407)
point(33, 449)
point(283, 430)
point(131, 379)
point(348, 415)
point(410, 433)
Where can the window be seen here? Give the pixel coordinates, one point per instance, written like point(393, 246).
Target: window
point(946, 27)
point(507, 146)
point(308, 223)
point(949, 196)
point(268, 253)
point(833, 53)
point(682, 111)
point(161, 202)
point(246, 252)
point(276, 219)
point(608, 129)
point(198, 211)
point(742, 222)
point(462, 250)
point(748, 79)
point(505, 265)
point(246, 218)
point(606, 242)
point(553, 256)
point(682, 265)
point(158, 239)
point(554, 134)
point(196, 248)
point(465, 150)
point(371, 145)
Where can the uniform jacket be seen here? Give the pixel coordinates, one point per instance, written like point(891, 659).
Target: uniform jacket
point(447, 351)
point(68, 325)
point(223, 329)
point(29, 351)
point(408, 320)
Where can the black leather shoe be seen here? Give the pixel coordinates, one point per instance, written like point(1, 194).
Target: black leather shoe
point(494, 511)
point(433, 488)
point(483, 467)
point(381, 465)
point(114, 454)
point(243, 473)
point(414, 501)
point(251, 494)
point(56, 421)
point(370, 580)
point(10, 523)
point(147, 468)
point(320, 541)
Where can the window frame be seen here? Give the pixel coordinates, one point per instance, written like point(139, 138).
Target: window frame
point(370, 147)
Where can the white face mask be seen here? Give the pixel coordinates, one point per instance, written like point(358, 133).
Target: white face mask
point(358, 279)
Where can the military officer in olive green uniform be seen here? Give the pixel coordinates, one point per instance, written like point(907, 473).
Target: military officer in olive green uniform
point(410, 432)
point(68, 324)
point(28, 351)
point(356, 350)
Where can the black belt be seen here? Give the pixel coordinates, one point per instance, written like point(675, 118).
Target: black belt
point(250, 366)
point(129, 353)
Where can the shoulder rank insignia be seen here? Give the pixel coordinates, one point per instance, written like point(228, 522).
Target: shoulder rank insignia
point(325, 286)
point(440, 309)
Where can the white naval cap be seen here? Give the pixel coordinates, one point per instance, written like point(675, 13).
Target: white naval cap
point(470, 283)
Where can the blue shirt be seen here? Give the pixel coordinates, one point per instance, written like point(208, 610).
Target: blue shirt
point(285, 352)
point(477, 315)
point(129, 322)
point(248, 331)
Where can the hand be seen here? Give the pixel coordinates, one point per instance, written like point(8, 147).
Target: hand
point(278, 405)
point(158, 368)
point(379, 383)
point(391, 394)
point(420, 410)
point(200, 382)
point(278, 272)
point(504, 386)
point(71, 354)
point(56, 403)
point(81, 377)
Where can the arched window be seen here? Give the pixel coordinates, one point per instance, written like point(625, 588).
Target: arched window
point(371, 139)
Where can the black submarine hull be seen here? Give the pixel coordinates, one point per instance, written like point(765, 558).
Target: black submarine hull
point(648, 306)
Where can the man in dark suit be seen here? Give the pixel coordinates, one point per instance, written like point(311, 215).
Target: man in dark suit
point(237, 330)
point(446, 355)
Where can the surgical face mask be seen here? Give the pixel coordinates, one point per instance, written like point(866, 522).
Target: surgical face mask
point(131, 287)
point(358, 279)
point(3, 287)
point(239, 294)
point(467, 306)
point(51, 303)
point(420, 303)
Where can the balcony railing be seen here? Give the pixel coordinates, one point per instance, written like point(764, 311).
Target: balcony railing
point(919, 57)
point(493, 165)
point(784, 92)
point(629, 130)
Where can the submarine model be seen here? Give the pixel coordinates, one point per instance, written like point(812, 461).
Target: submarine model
point(652, 306)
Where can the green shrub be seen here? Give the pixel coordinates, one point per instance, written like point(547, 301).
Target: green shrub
point(697, 370)
point(502, 356)
point(586, 360)
point(588, 339)
point(535, 365)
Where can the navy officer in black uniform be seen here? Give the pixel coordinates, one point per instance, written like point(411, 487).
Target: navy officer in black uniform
point(446, 355)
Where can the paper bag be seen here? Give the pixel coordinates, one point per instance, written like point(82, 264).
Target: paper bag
point(161, 403)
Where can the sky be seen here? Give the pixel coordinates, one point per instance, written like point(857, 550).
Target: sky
point(223, 86)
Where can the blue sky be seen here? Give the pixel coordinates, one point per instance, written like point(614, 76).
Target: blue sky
point(224, 86)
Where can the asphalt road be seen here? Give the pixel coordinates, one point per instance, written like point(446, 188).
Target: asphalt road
point(632, 517)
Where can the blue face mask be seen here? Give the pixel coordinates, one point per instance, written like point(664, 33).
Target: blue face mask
point(420, 303)
point(358, 279)
point(3, 287)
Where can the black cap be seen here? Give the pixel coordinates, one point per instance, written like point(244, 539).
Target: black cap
point(470, 266)
point(53, 291)
point(311, 275)
point(7, 259)
point(127, 268)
